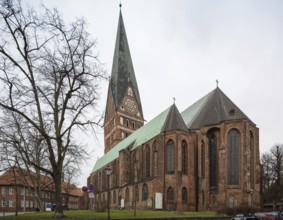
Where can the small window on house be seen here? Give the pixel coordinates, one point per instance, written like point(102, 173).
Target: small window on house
point(11, 203)
point(11, 190)
point(134, 125)
point(3, 190)
point(121, 120)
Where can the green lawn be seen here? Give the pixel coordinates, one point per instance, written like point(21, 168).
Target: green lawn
point(115, 214)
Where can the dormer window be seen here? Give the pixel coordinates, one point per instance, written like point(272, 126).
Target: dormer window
point(232, 112)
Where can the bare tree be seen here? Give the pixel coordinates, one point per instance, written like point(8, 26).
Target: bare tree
point(273, 174)
point(70, 173)
point(49, 79)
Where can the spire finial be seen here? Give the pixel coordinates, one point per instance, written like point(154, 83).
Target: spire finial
point(174, 99)
point(120, 5)
point(217, 82)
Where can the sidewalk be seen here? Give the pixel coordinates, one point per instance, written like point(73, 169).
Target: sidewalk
point(12, 213)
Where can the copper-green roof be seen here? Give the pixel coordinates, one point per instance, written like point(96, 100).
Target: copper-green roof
point(170, 119)
point(137, 138)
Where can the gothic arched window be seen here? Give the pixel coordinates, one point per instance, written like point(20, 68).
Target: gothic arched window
point(184, 195)
point(170, 157)
point(127, 197)
point(155, 159)
point(184, 157)
point(170, 195)
point(144, 192)
point(133, 166)
point(114, 197)
point(233, 157)
point(137, 193)
point(252, 159)
point(212, 145)
point(147, 157)
point(202, 160)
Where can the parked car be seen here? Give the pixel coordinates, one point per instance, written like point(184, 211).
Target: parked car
point(264, 216)
point(243, 216)
point(276, 214)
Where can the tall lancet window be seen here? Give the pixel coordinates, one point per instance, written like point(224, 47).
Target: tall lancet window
point(233, 157)
point(184, 157)
point(212, 162)
point(202, 160)
point(252, 159)
point(147, 157)
point(155, 159)
point(170, 157)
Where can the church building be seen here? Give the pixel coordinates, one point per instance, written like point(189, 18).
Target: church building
point(204, 158)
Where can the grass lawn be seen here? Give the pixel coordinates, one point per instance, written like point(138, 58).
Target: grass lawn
point(115, 214)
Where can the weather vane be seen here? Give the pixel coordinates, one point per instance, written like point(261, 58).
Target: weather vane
point(174, 99)
point(217, 82)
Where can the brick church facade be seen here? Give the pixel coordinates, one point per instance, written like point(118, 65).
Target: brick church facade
point(204, 158)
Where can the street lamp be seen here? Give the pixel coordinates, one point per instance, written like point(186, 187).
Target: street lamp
point(251, 192)
point(108, 173)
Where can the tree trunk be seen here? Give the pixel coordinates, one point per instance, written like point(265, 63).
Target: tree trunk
point(58, 195)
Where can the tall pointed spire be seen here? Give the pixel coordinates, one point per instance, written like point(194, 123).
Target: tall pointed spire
point(123, 73)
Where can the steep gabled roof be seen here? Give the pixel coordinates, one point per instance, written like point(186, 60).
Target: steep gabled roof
point(169, 119)
point(27, 178)
point(123, 73)
point(174, 121)
point(213, 108)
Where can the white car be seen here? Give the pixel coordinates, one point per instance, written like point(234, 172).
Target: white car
point(242, 216)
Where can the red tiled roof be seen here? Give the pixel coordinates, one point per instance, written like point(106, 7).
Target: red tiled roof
point(21, 177)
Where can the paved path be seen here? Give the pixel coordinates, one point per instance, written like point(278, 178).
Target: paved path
point(11, 213)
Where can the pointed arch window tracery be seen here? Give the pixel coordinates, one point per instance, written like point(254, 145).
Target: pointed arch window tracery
point(252, 156)
point(155, 159)
point(233, 157)
point(170, 157)
point(170, 195)
point(147, 165)
point(144, 192)
point(184, 157)
point(212, 142)
point(184, 196)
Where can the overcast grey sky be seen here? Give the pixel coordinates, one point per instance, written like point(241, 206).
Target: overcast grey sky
point(180, 47)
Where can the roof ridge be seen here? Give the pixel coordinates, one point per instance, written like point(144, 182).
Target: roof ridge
point(141, 135)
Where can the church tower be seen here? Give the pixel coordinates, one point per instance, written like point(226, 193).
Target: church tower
point(123, 113)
